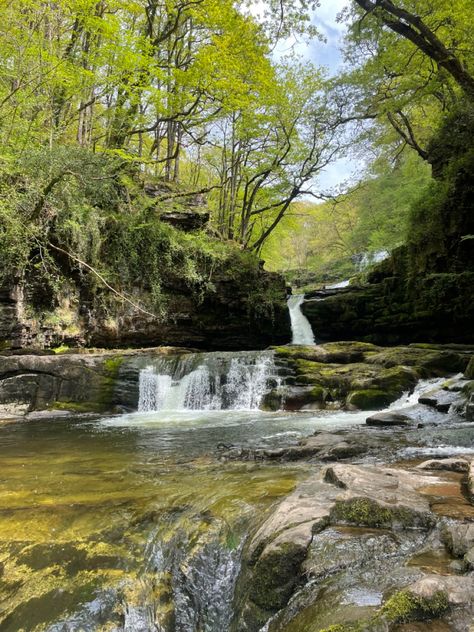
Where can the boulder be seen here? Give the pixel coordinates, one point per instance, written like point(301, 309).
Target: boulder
point(389, 418)
point(459, 537)
point(449, 465)
point(459, 591)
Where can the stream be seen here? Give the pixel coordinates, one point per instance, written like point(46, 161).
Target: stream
point(134, 523)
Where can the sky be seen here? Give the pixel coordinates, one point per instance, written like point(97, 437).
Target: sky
point(328, 54)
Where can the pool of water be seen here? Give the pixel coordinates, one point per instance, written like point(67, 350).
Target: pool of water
point(130, 522)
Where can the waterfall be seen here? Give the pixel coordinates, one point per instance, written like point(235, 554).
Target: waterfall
point(207, 381)
point(300, 325)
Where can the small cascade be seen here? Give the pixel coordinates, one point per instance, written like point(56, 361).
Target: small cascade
point(207, 381)
point(300, 325)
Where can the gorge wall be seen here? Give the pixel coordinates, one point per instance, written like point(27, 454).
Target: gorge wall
point(246, 309)
point(425, 290)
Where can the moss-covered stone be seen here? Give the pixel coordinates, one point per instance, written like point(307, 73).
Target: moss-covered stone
point(370, 399)
point(365, 512)
point(275, 575)
point(404, 607)
point(469, 372)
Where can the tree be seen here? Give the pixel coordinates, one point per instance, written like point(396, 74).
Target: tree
point(410, 63)
point(411, 26)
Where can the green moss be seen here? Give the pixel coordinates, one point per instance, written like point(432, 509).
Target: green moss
point(317, 394)
point(79, 407)
point(113, 364)
point(61, 349)
point(469, 372)
point(404, 607)
point(370, 399)
point(275, 575)
point(367, 513)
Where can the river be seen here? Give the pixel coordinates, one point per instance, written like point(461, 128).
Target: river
point(135, 522)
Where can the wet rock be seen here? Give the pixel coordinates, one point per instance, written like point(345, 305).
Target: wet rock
point(450, 465)
point(441, 399)
point(459, 590)
point(379, 497)
point(359, 375)
point(389, 418)
point(364, 496)
point(303, 398)
point(459, 537)
point(470, 480)
point(328, 447)
point(469, 410)
point(329, 353)
point(469, 559)
point(469, 372)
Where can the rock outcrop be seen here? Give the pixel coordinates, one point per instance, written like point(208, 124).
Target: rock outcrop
point(244, 309)
point(76, 383)
point(356, 526)
point(358, 375)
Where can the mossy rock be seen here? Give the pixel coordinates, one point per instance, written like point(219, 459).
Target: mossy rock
point(364, 512)
point(275, 576)
point(272, 400)
point(370, 399)
point(469, 372)
point(404, 607)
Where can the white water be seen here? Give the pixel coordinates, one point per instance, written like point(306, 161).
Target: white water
point(207, 382)
point(300, 325)
point(338, 286)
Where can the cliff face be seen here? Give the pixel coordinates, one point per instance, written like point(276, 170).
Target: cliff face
point(244, 310)
point(425, 291)
point(391, 309)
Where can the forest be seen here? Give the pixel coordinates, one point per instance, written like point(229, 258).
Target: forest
point(102, 100)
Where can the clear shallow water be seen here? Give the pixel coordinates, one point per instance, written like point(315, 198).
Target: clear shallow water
point(129, 523)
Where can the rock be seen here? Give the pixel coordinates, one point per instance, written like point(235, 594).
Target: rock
point(243, 308)
point(470, 480)
point(187, 221)
point(388, 310)
point(430, 626)
point(449, 465)
point(458, 537)
point(440, 399)
point(365, 496)
point(458, 590)
point(469, 558)
point(469, 372)
point(369, 399)
point(328, 447)
point(72, 383)
point(304, 398)
point(390, 418)
point(329, 353)
point(359, 375)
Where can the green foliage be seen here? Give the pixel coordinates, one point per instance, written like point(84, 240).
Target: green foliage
point(373, 216)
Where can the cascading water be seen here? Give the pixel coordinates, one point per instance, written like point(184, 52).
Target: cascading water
point(207, 381)
point(300, 325)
